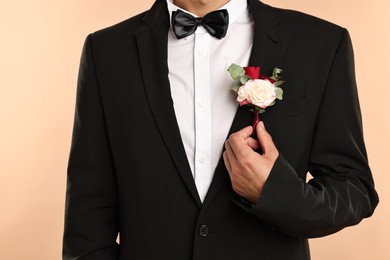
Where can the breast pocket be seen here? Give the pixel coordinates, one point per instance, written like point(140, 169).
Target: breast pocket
point(291, 126)
point(281, 111)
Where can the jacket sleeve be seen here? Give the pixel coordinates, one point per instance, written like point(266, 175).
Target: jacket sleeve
point(91, 226)
point(341, 192)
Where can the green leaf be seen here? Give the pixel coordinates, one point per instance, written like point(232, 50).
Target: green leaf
point(236, 71)
point(244, 79)
point(278, 83)
point(273, 103)
point(236, 85)
point(279, 93)
point(276, 72)
point(261, 110)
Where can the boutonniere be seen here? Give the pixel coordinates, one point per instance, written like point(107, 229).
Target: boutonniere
point(256, 90)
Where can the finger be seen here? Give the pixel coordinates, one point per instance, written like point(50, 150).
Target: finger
point(230, 153)
point(238, 141)
point(227, 162)
point(265, 139)
point(245, 132)
point(253, 143)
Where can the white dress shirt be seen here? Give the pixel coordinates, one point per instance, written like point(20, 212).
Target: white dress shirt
point(204, 103)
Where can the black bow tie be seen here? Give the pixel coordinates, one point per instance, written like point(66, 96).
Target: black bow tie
point(216, 23)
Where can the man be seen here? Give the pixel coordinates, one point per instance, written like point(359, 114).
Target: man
point(154, 107)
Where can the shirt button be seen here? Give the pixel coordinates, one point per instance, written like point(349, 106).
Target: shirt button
point(200, 54)
point(203, 231)
point(202, 104)
point(202, 160)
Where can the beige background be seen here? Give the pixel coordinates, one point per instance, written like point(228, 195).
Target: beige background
point(40, 46)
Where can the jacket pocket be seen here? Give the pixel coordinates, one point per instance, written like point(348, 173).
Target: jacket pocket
point(283, 111)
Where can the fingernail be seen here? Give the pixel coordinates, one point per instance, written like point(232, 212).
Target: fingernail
point(261, 123)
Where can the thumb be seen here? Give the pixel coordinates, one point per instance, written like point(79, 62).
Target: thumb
point(265, 139)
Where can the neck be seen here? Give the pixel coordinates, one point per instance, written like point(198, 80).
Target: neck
point(200, 7)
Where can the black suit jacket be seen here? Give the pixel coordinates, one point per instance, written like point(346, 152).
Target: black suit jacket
point(128, 170)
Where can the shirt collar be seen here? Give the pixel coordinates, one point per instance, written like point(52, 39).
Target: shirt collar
point(234, 7)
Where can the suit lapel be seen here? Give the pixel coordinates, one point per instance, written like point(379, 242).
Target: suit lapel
point(267, 52)
point(242, 119)
point(269, 45)
point(152, 47)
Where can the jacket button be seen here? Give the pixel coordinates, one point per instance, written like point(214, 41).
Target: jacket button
point(269, 227)
point(203, 231)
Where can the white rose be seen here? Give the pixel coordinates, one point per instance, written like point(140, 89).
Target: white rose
point(258, 92)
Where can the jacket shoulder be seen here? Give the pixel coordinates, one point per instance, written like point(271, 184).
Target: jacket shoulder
point(302, 24)
point(120, 31)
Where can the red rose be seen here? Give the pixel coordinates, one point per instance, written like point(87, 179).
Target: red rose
point(253, 72)
point(268, 78)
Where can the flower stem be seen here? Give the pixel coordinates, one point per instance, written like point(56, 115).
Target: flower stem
point(255, 121)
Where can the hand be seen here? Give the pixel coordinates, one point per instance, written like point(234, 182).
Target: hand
point(248, 169)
